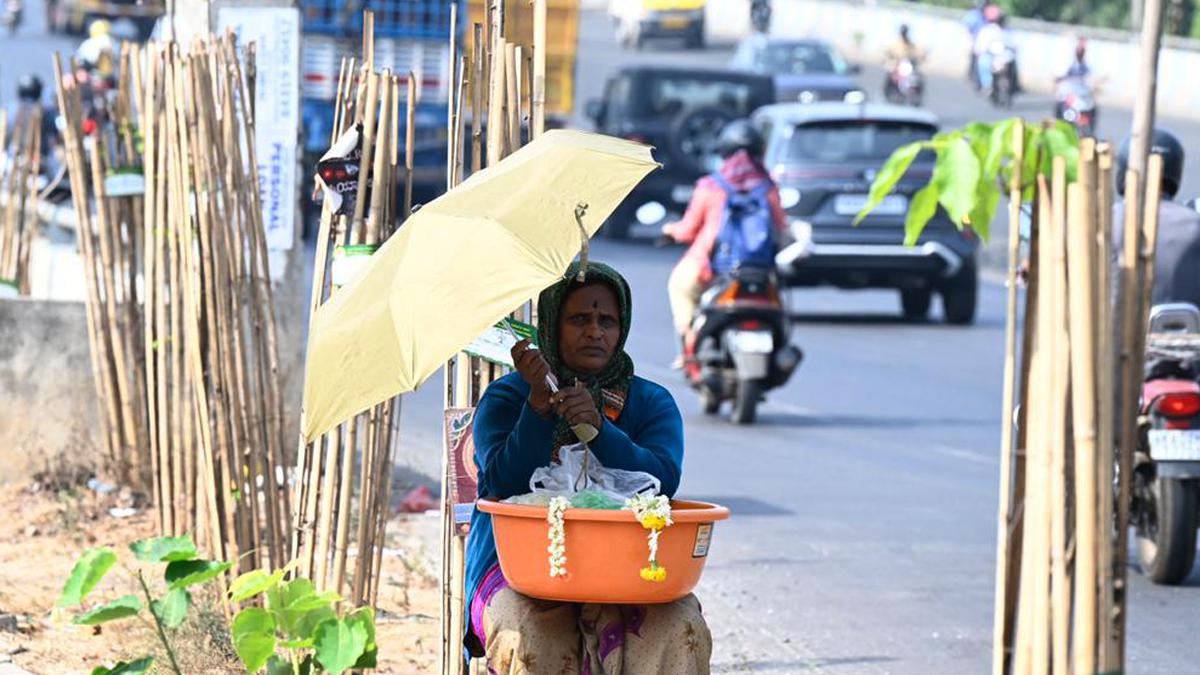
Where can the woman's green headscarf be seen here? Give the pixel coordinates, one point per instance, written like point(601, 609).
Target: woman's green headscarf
point(610, 387)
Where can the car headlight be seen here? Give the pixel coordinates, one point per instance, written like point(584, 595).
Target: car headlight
point(806, 96)
point(788, 197)
point(855, 97)
point(802, 231)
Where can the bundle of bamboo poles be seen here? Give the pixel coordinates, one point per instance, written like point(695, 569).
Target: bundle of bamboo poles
point(181, 313)
point(21, 164)
point(1060, 604)
point(328, 512)
point(503, 78)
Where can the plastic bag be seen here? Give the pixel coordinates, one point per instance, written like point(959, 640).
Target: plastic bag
point(606, 488)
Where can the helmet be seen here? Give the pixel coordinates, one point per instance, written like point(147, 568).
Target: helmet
point(29, 88)
point(991, 12)
point(99, 28)
point(904, 30)
point(1164, 143)
point(740, 135)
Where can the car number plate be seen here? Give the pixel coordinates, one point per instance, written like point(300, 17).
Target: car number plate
point(752, 342)
point(850, 205)
point(1168, 445)
point(675, 22)
point(682, 193)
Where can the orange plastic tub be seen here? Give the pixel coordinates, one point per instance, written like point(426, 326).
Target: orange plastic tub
point(606, 549)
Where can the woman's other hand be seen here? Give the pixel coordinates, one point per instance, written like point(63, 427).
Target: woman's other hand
point(575, 405)
point(533, 369)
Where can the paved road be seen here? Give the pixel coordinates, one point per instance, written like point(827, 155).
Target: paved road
point(864, 528)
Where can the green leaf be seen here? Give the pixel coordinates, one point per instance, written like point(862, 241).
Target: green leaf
point(164, 549)
point(1000, 146)
point(920, 210)
point(122, 607)
point(340, 643)
point(365, 616)
point(184, 573)
point(306, 643)
point(88, 571)
point(282, 666)
point(978, 135)
point(172, 609)
point(1060, 142)
point(956, 175)
point(123, 668)
point(254, 582)
point(253, 634)
point(986, 200)
point(299, 608)
point(885, 181)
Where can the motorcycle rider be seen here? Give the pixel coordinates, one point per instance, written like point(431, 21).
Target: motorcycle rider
point(974, 20)
point(1177, 253)
point(29, 99)
point(1079, 68)
point(992, 33)
point(741, 146)
point(97, 51)
point(903, 49)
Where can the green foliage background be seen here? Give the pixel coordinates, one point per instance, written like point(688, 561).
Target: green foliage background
point(1180, 16)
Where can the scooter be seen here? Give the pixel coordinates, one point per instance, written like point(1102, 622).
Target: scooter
point(1004, 81)
point(1075, 103)
point(738, 346)
point(905, 85)
point(1165, 510)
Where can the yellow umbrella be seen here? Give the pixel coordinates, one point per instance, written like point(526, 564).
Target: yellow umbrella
point(460, 264)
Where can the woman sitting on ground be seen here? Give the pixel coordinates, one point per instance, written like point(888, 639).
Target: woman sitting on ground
point(519, 427)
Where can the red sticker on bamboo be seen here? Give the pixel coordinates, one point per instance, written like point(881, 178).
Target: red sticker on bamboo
point(703, 537)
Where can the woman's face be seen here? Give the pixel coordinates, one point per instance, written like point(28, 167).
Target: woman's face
point(590, 328)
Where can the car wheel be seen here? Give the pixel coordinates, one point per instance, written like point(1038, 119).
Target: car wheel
point(915, 303)
point(694, 134)
point(960, 296)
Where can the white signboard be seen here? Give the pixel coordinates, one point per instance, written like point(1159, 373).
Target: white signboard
point(276, 31)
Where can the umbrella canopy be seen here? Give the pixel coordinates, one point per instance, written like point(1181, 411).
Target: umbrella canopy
point(457, 266)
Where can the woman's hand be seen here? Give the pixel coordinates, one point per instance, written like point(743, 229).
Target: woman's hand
point(575, 405)
point(533, 369)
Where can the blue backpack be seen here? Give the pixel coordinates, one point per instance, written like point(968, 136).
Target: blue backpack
point(747, 235)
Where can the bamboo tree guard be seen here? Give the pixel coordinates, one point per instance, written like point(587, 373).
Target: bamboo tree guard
point(186, 361)
point(343, 490)
point(1059, 565)
point(22, 162)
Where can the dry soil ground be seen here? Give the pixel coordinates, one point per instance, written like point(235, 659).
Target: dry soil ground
point(43, 531)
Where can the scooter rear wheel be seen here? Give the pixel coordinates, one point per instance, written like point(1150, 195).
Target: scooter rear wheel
point(745, 403)
point(1167, 536)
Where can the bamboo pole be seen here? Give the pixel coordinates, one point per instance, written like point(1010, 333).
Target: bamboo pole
point(477, 100)
point(459, 124)
point(368, 150)
point(512, 63)
point(1106, 360)
point(1006, 586)
point(1060, 582)
point(538, 113)
point(455, 83)
point(409, 140)
point(1081, 271)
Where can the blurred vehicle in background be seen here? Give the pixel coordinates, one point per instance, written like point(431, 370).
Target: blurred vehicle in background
point(130, 19)
point(807, 71)
point(824, 157)
point(639, 20)
point(905, 85)
point(1075, 103)
point(11, 15)
point(411, 36)
point(681, 112)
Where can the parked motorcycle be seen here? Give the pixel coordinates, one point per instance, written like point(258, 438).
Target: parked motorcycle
point(905, 85)
point(1165, 510)
point(1004, 80)
point(1075, 102)
point(760, 15)
point(738, 349)
point(14, 11)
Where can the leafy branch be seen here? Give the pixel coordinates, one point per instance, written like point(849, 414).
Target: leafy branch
point(973, 168)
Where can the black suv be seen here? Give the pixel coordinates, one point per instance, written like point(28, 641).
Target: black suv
point(680, 111)
point(824, 157)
